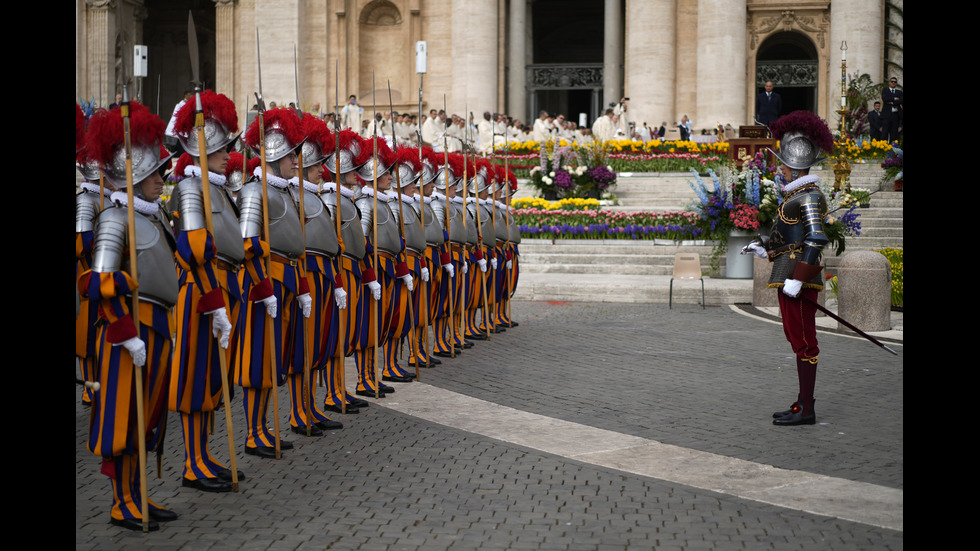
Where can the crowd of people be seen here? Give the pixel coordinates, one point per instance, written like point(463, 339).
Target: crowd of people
point(269, 269)
point(451, 132)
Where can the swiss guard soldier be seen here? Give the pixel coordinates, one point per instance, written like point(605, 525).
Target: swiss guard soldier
point(437, 254)
point(387, 245)
point(450, 215)
point(482, 220)
point(210, 297)
point(322, 248)
point(127, 340)
point(348, 149)
point(89, 202)
point(795, 246)
point(272, 295)
point(406, 318)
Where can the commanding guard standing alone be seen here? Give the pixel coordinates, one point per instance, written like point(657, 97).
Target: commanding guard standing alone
point(795, 246)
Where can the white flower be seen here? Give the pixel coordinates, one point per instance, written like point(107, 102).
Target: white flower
point(535, 169)
point(547, 180)
point(552, 174)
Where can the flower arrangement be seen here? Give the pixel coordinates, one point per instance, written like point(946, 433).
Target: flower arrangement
point(620, 155)
point(565, 171)
point(896, 259)
point(598, 224)
point(745, 217)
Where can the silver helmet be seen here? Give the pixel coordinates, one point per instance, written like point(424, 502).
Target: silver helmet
point(220, 123)
point(797, 151)
point(146, 159)
point(406, 176)
point(216, 137)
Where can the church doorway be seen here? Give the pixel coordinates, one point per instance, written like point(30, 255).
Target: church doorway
point(789, 60)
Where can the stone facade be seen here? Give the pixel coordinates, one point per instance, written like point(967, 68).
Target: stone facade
point(703, 58)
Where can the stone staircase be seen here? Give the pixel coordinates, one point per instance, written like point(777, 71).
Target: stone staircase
point(640, 271)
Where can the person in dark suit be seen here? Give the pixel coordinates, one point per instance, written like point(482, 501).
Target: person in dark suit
point(892, 113)
point(874, 121)
point(768, 105)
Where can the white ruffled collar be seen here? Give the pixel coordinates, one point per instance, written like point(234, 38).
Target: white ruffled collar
point(307, 185)
point(382, 196)
point(457, 199)
point(194, 171)
point(800, 182)
point(139, 205)
point(272, 179)
point(94, 188)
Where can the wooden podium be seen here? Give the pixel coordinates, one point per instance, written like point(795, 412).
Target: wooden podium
point(750, 140)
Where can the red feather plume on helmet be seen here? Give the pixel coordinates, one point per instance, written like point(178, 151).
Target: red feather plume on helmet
point(317, 132)
point(252, 164)
point(806, 123)
point(215, 106)
point(105, 130)
point(283, 118)
point(349, 140)
point(184, 161)
point(410, 156)
point(484, 166)
point(456, 163)
point(236, 162)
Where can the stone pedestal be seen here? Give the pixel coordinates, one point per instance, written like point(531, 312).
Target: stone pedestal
point(761, 296)
point(864, 290)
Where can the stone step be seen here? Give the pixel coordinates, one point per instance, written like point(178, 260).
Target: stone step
point(632, 288)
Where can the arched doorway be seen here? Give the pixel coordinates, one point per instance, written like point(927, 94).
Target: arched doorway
point(790, 61)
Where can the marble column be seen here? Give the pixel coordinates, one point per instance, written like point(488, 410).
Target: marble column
point(721, 64)
point(100, 32)
point(224, 21)
point(651, 35)
point(516, 55)
point(612, 52)
point(474, 39)
point(861, 24)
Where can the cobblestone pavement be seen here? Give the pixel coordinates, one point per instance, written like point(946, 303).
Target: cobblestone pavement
point(705, 380)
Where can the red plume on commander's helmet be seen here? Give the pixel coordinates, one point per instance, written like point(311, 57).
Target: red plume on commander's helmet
point(105, 141)
point(283, 133)
point(319, 141)
point(220, 123)
point(802, 136)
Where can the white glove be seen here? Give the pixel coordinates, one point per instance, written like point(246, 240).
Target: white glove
point(306, 302)
point(466, 267)
point(509, 264)
point(340, 297)
point(483, 264)
point(271, 305)
point(375, 288)
point(755, 249)
point(791, 287)
point(493, 263)
point(136, 348)
point(220, 326)
point(408, 281)
point(425, 274)
point(449, 269)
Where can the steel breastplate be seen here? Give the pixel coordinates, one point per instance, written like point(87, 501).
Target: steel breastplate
point(87, 208)
point(433, 228)
point(321, 231)
point(414, 236)
point(155, 247)
point(286, 233)
point(458, 228)
point(388, 239)
point(797, 233)
point(500, 225)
